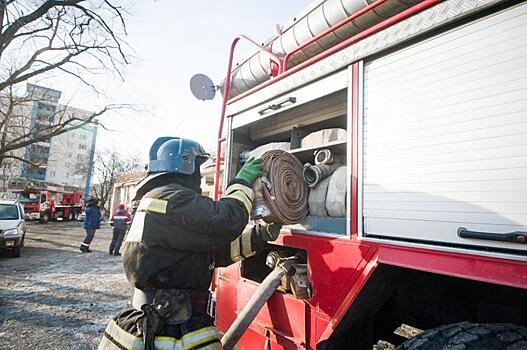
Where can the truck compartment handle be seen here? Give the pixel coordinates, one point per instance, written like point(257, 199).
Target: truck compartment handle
point(514, 237)
point(278, 105)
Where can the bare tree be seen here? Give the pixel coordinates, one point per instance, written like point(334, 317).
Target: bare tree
point(107, 167)
point(78, 38)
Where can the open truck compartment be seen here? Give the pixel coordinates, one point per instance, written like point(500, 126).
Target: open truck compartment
point(303, 127)
point(441, 139)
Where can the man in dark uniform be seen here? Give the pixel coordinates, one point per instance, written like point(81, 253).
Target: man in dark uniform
point(176, 240)
point(120, 220)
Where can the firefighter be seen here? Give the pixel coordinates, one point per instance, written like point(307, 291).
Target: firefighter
point(176, 240)
point(119, 220)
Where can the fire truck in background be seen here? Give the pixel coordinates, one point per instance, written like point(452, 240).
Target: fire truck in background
point(421, 240)
point(47, 204)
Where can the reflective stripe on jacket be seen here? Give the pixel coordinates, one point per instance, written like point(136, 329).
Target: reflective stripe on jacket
point(115, 338)
point(178, 236)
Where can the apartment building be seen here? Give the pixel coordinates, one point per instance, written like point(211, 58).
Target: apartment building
point(70, 156)
point(66, 159)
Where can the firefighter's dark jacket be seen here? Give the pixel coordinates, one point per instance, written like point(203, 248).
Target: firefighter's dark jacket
point(178, 236)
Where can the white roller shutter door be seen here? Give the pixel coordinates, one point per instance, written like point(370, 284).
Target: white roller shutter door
point(445, 135)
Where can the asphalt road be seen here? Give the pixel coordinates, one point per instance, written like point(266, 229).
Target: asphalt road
point(54, 296)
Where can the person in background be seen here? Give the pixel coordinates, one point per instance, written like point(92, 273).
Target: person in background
point(119, 220)
point(92, 222)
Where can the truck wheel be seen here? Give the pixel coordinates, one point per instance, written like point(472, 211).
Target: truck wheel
point(469, 336)
point(70, 215)
point(44, 218)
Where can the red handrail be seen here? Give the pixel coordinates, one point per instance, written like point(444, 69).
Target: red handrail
point(330, 30)
point(226, 91)
point(365, 33)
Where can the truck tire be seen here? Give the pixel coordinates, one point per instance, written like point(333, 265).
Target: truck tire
point(44, 218)
point(70, 215)
point(469, 336)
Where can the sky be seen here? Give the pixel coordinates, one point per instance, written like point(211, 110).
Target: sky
point(173, 40)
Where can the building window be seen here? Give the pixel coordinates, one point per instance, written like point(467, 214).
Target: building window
point(78, 166)
point(67, 175)
point(70, 144)
point(82, 146)
point(45, 107)
point(70, 155)
point(79, 156)
point(68, 164)
point(52, 173)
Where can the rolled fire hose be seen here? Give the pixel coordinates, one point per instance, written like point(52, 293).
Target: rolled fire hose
point(317, 198)
point(254, 305)
point(258, 151)
point(337, 192)
point(281, 194)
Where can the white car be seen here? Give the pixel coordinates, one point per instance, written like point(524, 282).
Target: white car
point(82, 216)
point(12, 227)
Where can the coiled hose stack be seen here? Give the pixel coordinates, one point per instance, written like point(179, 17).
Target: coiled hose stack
point(281, 194)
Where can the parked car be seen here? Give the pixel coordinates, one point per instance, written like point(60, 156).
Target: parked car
point(12, 227)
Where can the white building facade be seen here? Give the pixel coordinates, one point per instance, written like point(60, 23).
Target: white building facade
point(66, 159)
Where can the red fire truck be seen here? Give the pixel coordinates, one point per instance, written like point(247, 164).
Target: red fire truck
point(46, 204)
point(430, 250)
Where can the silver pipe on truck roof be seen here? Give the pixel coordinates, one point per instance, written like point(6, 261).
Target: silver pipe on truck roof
point(318, 18)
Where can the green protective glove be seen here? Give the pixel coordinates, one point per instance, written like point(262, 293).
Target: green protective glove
point(269, 232)
point(251, 170)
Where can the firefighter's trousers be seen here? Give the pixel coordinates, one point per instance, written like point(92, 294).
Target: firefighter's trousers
point(123, 332)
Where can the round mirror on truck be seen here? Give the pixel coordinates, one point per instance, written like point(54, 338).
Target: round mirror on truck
point(202, 87)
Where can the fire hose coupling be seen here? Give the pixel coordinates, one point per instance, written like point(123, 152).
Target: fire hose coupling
point(277, 260)
point(313, 174)
point(295, 273)
point(323, 168)
point(323, 156)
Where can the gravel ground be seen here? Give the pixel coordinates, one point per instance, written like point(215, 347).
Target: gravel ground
point(54, 296)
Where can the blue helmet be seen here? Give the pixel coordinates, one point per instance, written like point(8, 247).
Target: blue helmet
point(175, 155)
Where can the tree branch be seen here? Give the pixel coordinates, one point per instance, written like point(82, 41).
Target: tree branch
point(10, 156)
point(8, 35)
